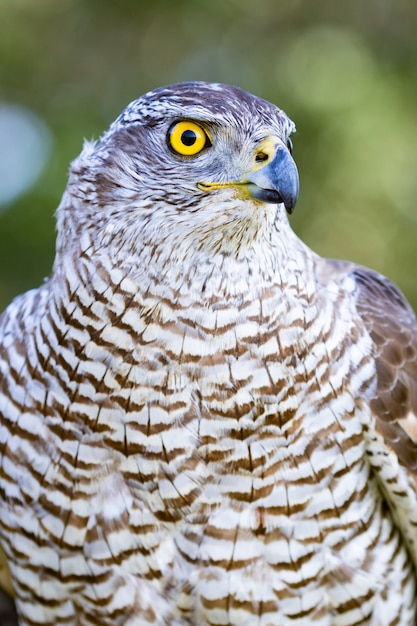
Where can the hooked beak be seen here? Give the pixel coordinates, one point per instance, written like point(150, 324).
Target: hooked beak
point(273, 178)
point(276, 181)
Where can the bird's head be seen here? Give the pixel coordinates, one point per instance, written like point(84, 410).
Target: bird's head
point(206, 161)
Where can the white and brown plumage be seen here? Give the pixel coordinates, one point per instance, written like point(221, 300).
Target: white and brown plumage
point(201, 421)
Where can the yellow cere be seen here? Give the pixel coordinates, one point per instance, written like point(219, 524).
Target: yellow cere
point(187, 138)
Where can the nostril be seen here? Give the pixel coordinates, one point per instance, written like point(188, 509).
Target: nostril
point(261, 156)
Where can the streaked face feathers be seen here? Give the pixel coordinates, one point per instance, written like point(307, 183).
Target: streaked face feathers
point(135, 174)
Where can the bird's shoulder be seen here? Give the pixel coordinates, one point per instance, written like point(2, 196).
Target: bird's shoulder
point(391, 324)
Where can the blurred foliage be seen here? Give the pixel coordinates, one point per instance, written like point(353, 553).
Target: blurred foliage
point(344, 70)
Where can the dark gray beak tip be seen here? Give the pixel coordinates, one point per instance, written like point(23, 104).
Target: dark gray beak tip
point(291, 197)
point(277, 182)
point(284, 175)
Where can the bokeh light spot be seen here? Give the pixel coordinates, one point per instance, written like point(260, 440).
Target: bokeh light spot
point(25, 144)
point(329, 66)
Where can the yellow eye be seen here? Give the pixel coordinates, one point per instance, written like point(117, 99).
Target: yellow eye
point(187, 138)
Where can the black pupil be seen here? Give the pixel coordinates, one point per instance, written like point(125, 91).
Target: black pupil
point(188, 138)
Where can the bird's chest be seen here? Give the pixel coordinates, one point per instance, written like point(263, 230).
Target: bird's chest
point(263, 437)
point(216, 470)
point(254, 406)
point(246, 468)
point(243, 396)
point(252, 464)
point(250, 420)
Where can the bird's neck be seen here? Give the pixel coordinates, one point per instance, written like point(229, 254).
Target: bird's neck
point(183, 273)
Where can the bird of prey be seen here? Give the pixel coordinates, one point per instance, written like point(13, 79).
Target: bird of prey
point(202, 422)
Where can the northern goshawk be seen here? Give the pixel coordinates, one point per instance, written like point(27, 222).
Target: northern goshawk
point(202, 422)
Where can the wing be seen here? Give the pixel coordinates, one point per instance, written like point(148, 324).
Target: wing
point(8, 615)
point(392, 446)
point(392, 326)
point(5, 579)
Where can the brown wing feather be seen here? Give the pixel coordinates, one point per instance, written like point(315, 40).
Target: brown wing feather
point(392, 325)
point(5, 579)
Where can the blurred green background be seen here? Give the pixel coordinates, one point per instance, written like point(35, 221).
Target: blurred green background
point(345, 71)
